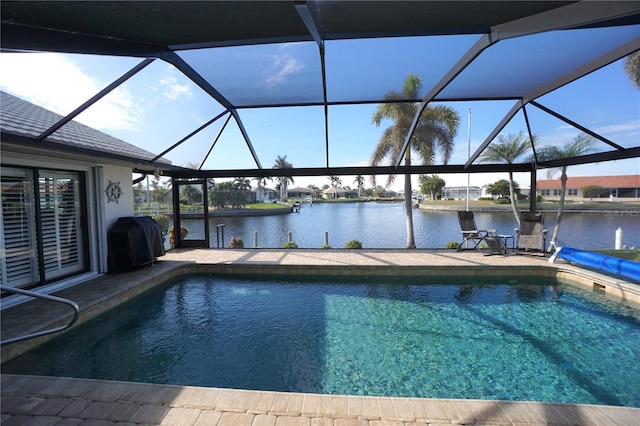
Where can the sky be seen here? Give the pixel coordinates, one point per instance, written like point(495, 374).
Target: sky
point(159, 106)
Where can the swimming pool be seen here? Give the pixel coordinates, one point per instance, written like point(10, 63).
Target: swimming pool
point(480, 338)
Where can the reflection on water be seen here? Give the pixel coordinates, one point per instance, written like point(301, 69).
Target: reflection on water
point(382, 225)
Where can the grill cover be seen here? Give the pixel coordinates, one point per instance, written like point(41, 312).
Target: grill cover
point(134, 242)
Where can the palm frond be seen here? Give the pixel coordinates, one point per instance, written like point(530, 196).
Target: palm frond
point(506, 149)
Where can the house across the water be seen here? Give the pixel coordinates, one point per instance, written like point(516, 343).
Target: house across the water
point(623, 188)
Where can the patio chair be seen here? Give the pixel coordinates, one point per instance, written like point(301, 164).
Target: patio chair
point(531, 236)
point(478, 237)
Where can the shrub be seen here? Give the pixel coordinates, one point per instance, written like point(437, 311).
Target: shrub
point(183, 234)
point(502, 201)
point(353, 244)
point(454, 245)
point(290, 245)
point(326, 246)
point(236, 243)
point(163, 221)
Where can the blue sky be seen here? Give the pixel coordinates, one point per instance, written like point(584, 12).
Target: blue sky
point(159, 106)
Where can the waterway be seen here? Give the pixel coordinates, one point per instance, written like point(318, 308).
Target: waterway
point(383, 225)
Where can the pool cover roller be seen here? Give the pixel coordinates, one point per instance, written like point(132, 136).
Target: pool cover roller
point(614, 265)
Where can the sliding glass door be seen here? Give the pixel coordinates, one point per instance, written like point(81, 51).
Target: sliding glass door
point(43, 228)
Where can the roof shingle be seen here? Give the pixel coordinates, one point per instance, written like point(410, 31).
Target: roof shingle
point(23, 118)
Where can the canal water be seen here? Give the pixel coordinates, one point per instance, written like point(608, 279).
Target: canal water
point(382, 225)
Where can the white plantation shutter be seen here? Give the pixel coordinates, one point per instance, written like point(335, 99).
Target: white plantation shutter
point(18, 264)
point(60, 217)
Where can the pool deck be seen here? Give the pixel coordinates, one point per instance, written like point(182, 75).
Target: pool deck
point(51, 400)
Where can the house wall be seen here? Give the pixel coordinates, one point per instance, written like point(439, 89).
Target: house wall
point(554, 195)
point(108, 210)
point(125, 204)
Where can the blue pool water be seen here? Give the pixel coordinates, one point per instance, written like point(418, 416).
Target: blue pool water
point(522, 339)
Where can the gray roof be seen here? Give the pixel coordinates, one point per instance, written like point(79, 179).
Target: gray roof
point(26, 121)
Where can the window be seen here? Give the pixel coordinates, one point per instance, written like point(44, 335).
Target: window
point(544, 192)
point(573, 192)
point(557, 192)
point(44, 241)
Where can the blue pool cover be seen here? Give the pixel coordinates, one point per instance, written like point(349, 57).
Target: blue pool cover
point(614, 265)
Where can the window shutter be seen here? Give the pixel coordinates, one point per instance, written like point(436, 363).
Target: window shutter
point(18, 266)
point(60, 217)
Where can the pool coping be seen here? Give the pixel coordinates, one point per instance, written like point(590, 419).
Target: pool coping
point(47, 400)
point(106, 291)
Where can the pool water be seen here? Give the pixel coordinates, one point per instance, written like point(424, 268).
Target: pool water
point(480, 338)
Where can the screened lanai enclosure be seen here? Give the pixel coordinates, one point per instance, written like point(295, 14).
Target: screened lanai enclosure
point(253, 69)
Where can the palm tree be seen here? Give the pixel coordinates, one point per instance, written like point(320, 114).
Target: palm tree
point(282, 163)
point(315, 191)
point(262, 184)
point(359, 180)
point(580, 145)
point(435, 131)
point(242, 184)
point(632, 68)
point(506, 150)
point(189, 194)
point(335, 183)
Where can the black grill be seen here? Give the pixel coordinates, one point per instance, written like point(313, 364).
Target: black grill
point(134, 242)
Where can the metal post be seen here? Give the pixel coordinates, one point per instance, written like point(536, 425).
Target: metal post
point(468, 152)
point(219, 232)
point(148, 195)
point(255, 239)
point(326, 238)
point(290, 236)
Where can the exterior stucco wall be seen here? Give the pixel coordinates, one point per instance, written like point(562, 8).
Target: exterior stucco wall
point(124, 205)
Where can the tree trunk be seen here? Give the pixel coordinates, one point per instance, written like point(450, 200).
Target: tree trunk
point(512, 195)
point(281, 189)
point(408, 207)
point(556, 228)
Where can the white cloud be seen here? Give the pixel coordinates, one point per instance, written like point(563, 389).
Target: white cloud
point(55, 82)
point(172, 90)
point(631, 126)
point(282, 66)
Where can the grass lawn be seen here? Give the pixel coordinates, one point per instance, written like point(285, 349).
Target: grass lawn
point(266, 206)
point(622, 254)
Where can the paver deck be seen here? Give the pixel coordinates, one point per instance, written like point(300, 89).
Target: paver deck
point(51, 400)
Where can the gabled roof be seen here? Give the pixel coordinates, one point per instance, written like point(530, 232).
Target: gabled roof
point(299, 189)
point(577, 182)
point(22, 122)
